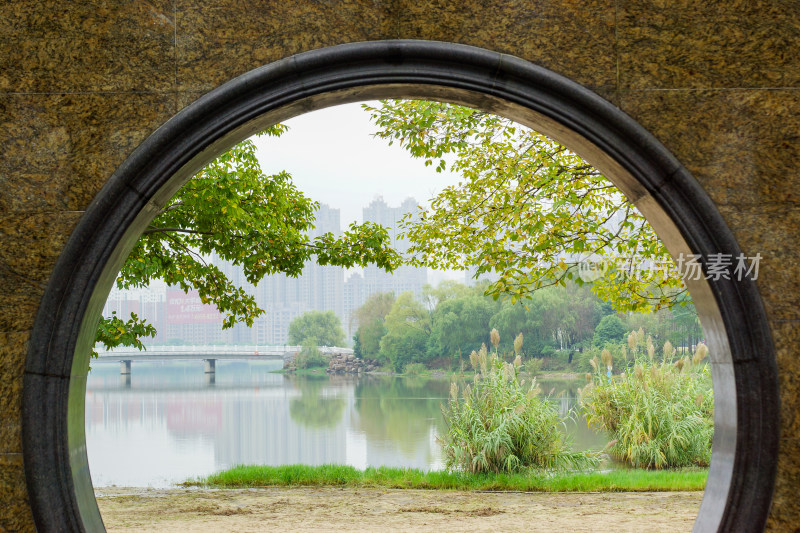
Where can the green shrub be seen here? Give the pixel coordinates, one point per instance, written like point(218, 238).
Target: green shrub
point(562, 356)
point(310, 356)
point(415, 369)
point(547, 351)
point(534, 348)
point(658, 415)
point(496, 424)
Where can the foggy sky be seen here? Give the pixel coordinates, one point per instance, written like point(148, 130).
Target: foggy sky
point(333, 159)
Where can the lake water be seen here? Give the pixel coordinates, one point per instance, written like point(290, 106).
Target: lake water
point(167, 423)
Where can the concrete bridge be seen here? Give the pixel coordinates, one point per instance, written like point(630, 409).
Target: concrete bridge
point(209, 354)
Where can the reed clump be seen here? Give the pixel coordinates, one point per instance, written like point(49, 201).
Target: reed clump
point(659, 415)
point(498, 424)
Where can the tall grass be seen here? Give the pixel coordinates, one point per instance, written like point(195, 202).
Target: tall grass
point(660, 415)
point(497, 424)
point(410, 478)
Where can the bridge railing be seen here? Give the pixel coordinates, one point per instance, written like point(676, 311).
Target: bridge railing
point(220, 349)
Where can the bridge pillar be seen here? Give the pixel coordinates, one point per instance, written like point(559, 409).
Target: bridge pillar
point(125, 366)
point(211, 365)
point(211, 378)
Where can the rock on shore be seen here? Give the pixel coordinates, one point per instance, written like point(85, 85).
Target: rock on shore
point(350, 364)
point(341, 364)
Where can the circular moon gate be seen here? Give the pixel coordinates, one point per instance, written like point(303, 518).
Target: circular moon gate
point(743, 465)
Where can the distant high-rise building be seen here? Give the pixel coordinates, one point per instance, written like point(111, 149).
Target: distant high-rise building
point(353, 299)
point(405, 278)
point(319, 287)
point(325, 284)
point(191, 321)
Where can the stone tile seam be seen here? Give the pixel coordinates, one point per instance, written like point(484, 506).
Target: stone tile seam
point(22, 277)
point(789, 204)
point(42, 212)
point(89, 93)
point(616, 50)
point(668, 180)
point(709, 89)
point(183, 90)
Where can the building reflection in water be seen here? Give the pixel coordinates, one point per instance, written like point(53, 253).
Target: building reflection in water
point(165, 422)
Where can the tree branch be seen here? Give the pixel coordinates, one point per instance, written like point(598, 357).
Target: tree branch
point(150, 230)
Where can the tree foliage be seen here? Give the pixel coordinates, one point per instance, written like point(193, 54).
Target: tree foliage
point(453, 320)
point(370, 318)
point(459, 325)
point(526, 208)
point(408, 327)
point(445, 290)
point(555, 316)
point(322, 327)
point(233, 210)
point(610, 329)
point(114, 331)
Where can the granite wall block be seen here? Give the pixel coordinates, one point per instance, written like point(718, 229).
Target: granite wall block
point(89, 46)
point(684, 44)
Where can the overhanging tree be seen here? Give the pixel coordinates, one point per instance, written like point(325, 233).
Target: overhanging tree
point(260, 222)
point(526, 209)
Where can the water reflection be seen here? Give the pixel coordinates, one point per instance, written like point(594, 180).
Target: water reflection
point(564, 393)
point(400, 418)
point(314, 408)
point(167, 421)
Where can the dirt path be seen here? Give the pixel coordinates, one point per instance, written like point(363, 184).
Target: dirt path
point(325, 509)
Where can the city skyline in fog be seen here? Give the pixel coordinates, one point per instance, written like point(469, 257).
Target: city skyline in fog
point(333, 158)
point(184, 318)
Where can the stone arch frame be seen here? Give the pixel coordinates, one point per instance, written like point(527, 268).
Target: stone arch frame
point(744, 462)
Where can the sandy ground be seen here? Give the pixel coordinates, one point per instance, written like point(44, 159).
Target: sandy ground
point(325, 509)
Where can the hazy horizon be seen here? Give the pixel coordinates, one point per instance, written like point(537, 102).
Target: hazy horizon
point(333, 158)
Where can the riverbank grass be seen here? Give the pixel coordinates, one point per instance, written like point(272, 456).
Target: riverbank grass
point(627, 480)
